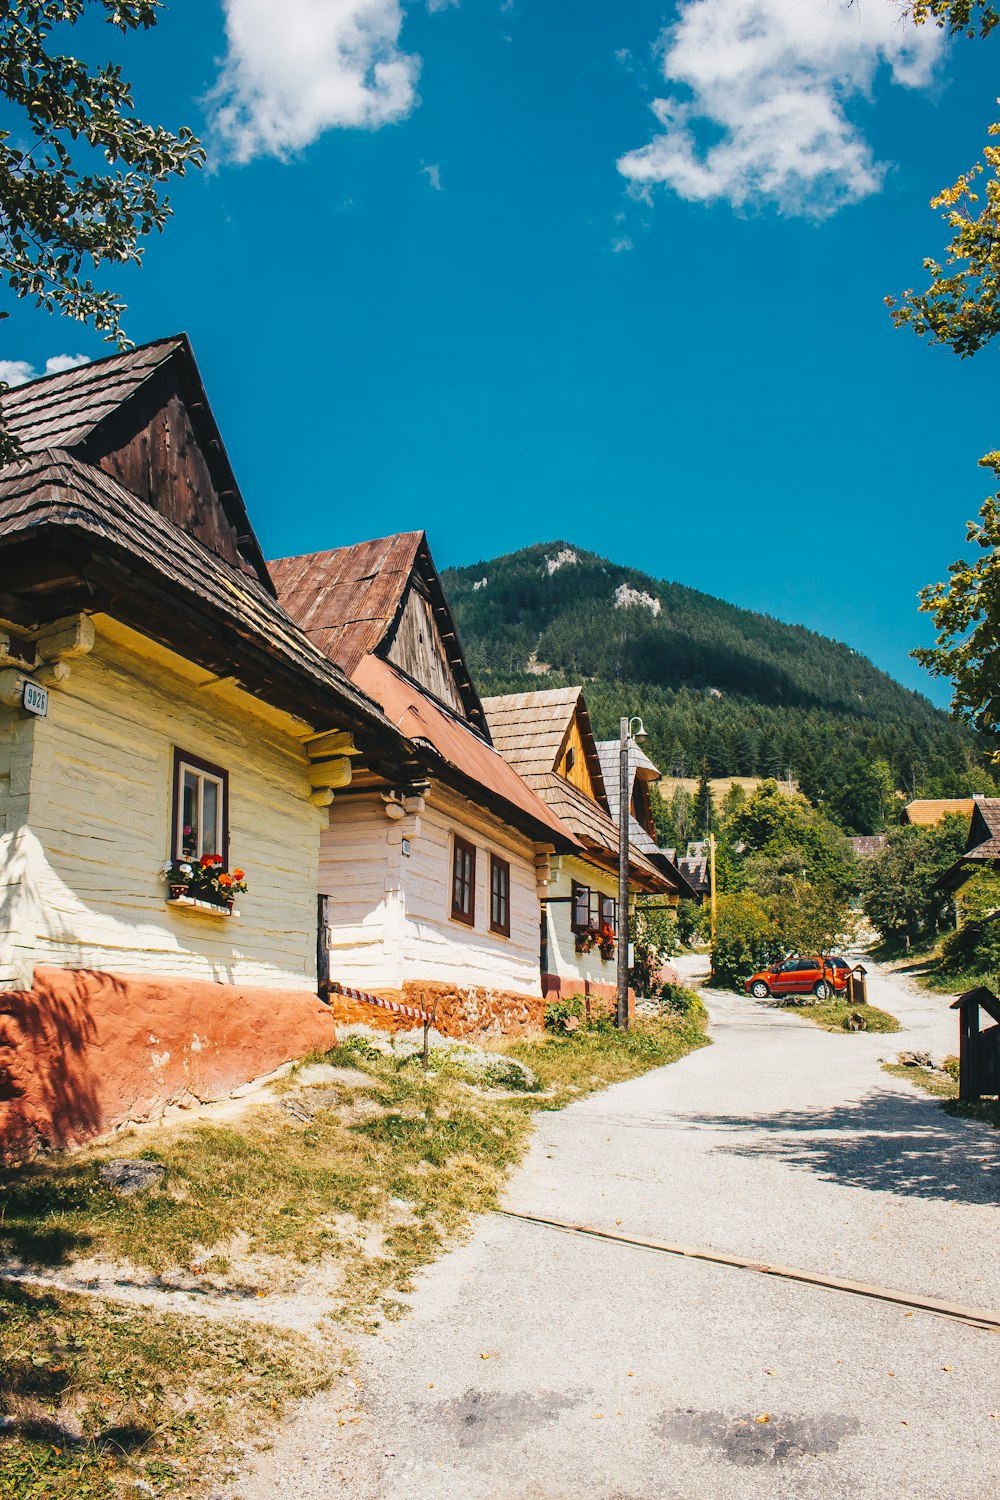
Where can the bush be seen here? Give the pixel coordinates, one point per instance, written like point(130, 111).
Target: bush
point(974, 948)
point(745, 938)
point(678, 998)
point(558, 1011)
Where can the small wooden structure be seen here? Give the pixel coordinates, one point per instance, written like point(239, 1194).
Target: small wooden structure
point(857, 989)
point(979, 1051)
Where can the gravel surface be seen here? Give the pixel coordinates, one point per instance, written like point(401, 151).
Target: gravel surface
point(539, 1365)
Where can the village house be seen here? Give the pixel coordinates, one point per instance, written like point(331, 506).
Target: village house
point(157, 706)
point(547, 738)
point(642, 776)
point(431, 894)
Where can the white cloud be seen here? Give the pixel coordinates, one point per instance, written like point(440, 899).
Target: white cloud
point(621, 244)
point(297, 68)
point(17, 371)
point(432, 171)
point(758, 111)
point(60, 362)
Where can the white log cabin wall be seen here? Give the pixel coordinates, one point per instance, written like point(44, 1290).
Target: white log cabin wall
point(390, 919)
point(563, 959)
point(99, 825)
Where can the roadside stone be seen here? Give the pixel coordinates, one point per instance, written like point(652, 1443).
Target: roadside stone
point(915, 1060)
point(127, 1177)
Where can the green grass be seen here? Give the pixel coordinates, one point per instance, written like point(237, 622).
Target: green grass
point(944, 1087)
point(251, 1206)
point(834, 1015)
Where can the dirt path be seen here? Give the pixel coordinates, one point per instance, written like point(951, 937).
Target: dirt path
point(539, 1365)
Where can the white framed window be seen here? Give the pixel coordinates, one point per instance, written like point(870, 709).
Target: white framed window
point(201, 808)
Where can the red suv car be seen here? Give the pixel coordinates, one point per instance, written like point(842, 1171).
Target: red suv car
point(798, 976)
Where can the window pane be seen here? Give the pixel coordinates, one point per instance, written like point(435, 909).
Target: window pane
point(190, 838)
point(211, 843)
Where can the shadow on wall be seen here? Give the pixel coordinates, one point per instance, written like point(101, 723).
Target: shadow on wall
point(85, 1051)
point(891, 1143)
point(48, 1090)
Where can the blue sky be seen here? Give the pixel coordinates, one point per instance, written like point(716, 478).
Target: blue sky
point(430, 296)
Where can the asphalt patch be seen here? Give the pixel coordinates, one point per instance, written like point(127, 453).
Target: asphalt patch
point(752, 1443)
point(480, 1417)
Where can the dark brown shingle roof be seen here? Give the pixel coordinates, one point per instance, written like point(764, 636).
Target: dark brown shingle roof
point(52, 495)
point(61, 411)
point(529, 730)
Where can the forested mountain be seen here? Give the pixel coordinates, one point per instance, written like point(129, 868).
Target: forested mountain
point(715, 683)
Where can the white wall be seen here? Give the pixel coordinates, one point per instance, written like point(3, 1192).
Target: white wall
point(389, 912)
point(16, 748)
point(563, 958)
point(99, 825)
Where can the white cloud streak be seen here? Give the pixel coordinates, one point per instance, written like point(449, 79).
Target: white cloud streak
point(299, 67)
point(432, 171)
point(18, 371)
point(758, 106)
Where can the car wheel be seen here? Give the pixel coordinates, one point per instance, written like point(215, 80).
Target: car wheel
point(759, 990)
point(821, 990)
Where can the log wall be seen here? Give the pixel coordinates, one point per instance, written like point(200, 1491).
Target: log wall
point(98, 828)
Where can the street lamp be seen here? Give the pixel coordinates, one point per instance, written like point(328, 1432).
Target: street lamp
point(628, 738)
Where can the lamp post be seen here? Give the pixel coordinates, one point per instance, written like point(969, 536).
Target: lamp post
point(624, 799)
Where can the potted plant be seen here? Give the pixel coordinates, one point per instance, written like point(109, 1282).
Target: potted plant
point(586, 941)
point(606, 941)
point(206, 879)
point(178, 875)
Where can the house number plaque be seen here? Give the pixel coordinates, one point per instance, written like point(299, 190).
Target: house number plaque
point(36, 699)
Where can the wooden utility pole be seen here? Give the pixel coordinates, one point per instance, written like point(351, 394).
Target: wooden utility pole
point(711, 881)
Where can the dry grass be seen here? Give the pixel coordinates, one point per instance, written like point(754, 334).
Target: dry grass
point(343, 1189)
point(96, 1396)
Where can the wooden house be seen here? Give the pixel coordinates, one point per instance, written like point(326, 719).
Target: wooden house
point(547, 738)
point(156, 704)
point(642, 776)
point(430, 890)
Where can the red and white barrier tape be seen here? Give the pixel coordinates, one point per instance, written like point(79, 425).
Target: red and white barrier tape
point(365, 999)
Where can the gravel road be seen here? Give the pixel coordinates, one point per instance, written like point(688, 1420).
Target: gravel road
point(541, 1365)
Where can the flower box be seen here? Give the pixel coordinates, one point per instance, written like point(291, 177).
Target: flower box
point(191, 903)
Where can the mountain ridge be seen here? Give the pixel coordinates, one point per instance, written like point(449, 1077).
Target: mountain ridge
point(737, 688)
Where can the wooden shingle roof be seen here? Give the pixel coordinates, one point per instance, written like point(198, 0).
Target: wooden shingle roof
point(530, 729)
point(56, 511)
point(594, 828)
point(349, 601)
point(96, 410)
point(61, 411)
point(346, 599)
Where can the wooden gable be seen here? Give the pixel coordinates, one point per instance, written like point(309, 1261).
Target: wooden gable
point(162, 444)
point(418, 649)
point(423, 642)
point(578, 760)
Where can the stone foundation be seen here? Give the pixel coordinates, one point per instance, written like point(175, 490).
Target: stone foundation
point(461, 1012)
point(83, 1051)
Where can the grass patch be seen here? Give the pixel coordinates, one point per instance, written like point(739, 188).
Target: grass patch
point(944, 1087)
point(570, 1066)
point(835, 1015)
point(371, 1181)
point(94, 1396)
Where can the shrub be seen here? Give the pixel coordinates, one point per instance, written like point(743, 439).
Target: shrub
point(974, 948)
point(745, 938)
point(678, 998)
point(558, 1011)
